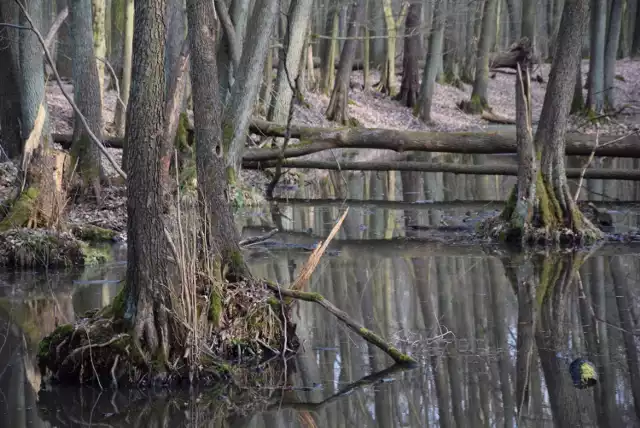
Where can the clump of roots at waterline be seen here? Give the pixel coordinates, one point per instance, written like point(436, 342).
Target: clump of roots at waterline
point(99, 347)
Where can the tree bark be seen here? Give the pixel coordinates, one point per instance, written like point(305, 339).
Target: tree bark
point(146, 305)
point(529, 14)
point(337, 110)
point(595, 92)
point(99, 41)
point(125, 83)
point(9, 95)
point(328, 51)
point(410, 85)
point(212, 181)
point(434, 55)
point(635, 45)
point(86, 86)
point(611, 52)
point(542, 200)
point(237, 112)
point(478, 100)
point(289, 64)
point(577, 102)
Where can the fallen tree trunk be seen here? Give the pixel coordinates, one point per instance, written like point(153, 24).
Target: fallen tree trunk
point(496, 169)
point(495, 118)
point(314, 140)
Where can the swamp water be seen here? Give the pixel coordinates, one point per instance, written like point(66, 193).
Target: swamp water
point(460, 309)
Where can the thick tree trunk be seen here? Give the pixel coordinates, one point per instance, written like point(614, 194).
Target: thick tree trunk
point(611, 51)
point(595, 92)
point(125, 83)
point(337, 110)
point(146, 303)
point(410, 86)
point(434, 55)
point(175, 36)
point(86, 87)
point(577, 102)
point(541, 207)
point(478, 100)
point(289, 65)
point(212, 182)
point(237, 112)
point(9, 95)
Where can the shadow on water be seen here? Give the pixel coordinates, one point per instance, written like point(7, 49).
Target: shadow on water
point(494, 332)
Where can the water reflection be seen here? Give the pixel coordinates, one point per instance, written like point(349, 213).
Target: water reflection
point(493, 331)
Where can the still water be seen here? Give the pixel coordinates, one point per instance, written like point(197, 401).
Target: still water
point(479, 319)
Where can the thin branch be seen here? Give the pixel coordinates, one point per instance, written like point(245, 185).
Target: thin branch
point(257, 239)
point(115, 80)
point(55, 27)
point(77, 111)
point(230, 32)
point(586, 165)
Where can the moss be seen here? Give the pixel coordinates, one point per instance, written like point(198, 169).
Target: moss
point(94, 255)
point(397, 356)
point(22, 210)
point(619, 77)
point(182, 134)
point(45, 344)
point(227, 135)
point(93, 234)
point(352, 102)
point(215, 307)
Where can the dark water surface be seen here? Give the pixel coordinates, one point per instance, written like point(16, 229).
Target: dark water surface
point(478, 319)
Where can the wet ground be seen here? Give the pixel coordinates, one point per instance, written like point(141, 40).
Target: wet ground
point(483, 322)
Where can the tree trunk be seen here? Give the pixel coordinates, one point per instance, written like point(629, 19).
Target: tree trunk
point(514, 18)
point(529, 14)
point(212, 182)
point(577, 102)
point(388, 80)
point(87, 97)
point(410, 86)
point(337, 110)
point(176, 22)
point(329, 48)
point(478, 100)
point(240, 17)
point(595, 92)
point(434, 54)
point(9, 94)
point(99, 41)
point(474, 21)
point(146, 303)
point(541, 202)
point(125, 83)
point(611, 51)
point(116, 31)
point(451, 46)
point(289, 64)
point(635, 44)
point(238, 110)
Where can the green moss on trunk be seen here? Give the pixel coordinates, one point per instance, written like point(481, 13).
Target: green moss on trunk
point(22, 210)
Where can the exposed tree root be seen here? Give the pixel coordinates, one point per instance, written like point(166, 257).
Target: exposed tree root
point(239, 324)
point(543, 222)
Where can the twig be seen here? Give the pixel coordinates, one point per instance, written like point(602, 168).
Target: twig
point(115, 80)
point(66, 95)
point(113, 371)
point(586, 165)
point(257, 239)
point(55, 27)
point(356, 327)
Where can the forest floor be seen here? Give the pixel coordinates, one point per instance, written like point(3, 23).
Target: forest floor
point(370, 109)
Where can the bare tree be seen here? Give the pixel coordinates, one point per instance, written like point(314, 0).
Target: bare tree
point(595, 91)
point(337, 110)
point(410, 86)
point(611, 51)
point(125, 82)
point(86, 85)
point(432, 63)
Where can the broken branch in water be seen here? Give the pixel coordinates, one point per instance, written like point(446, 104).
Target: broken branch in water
point(256, 239)
point(362, 331)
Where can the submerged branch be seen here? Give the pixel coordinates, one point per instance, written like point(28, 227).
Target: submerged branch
point(362, 331)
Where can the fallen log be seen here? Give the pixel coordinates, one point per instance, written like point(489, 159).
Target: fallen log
point(314, 140)
point(496, 169)
point(495, 118)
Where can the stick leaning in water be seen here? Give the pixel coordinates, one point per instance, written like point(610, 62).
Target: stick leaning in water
point(295, 293)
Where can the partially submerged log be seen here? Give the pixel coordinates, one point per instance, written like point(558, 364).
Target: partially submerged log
point(314, 140)
point(497, 169)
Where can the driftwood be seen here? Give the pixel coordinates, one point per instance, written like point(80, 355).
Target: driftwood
point(496, 169)
point(315, 140)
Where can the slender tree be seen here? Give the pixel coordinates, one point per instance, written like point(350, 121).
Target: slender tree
point(478, 100)
point(125, 82)
point(86, 86)
point(635, 44)
point(410, 86)
point(99, 39)
point(388, 81)
point(434, 54)
point(337, 110)
point(611, 51)
point(595, 90)
point(9, 93)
